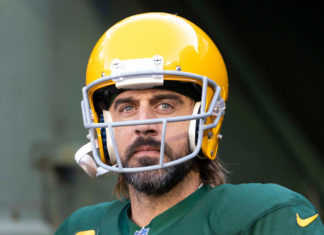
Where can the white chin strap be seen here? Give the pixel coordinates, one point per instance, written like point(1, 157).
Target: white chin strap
point(84, 159)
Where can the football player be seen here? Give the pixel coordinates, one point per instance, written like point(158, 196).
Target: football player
point(154, 101)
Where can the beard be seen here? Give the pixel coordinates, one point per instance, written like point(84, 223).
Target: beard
point(156, 182)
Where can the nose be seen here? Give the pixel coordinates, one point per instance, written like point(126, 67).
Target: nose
point(146, 129)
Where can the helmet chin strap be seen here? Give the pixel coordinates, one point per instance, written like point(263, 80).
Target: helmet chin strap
point(84, 159)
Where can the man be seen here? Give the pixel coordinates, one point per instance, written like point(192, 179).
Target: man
point(154, 104)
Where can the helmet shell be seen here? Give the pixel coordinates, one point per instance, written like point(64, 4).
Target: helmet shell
point(181, 43)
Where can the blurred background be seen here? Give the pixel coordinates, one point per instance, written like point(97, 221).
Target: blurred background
point(273, 128)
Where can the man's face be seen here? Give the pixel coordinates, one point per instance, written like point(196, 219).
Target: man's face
point(140, 145)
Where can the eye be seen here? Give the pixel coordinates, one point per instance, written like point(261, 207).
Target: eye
point(126, 108)
point(165, 106)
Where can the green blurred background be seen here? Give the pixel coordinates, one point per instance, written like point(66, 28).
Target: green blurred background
point(273, 127)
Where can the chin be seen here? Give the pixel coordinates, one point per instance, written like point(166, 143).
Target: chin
point(141, 161)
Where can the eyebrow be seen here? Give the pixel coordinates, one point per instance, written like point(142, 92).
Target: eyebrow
point(154, 100)
point(157, 98)
point(123, 101)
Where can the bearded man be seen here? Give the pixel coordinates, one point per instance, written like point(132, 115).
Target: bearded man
point(154, 102)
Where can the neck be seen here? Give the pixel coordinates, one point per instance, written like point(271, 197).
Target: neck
point(145, 207)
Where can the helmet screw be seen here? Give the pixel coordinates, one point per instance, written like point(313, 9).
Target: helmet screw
point(219, 136)
point(116, 64)
point(209, 135)
point(212, 152)
point(178, 68)
point(157, 60)
point(103, 74)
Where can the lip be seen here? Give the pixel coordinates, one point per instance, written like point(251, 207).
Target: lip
point(147, 151)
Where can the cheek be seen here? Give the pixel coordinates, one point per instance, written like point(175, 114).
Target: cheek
point(177, 138)
point(177, 132)
point(122, 138)
point(177, 127)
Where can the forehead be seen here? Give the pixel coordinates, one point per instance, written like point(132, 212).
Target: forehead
point(148, 94)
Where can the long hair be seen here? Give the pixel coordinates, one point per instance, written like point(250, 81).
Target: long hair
point(212, 173)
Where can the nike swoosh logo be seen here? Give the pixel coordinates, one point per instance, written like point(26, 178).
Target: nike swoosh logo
point(89, 232)
point(305, 222)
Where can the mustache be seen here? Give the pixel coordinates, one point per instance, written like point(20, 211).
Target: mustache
point(141, 141)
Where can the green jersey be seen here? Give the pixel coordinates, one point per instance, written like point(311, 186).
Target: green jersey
point(225, 209)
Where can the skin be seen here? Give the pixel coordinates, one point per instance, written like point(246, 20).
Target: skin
point(149, 104)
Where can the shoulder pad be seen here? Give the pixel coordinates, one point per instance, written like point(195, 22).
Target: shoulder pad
point(238, 206)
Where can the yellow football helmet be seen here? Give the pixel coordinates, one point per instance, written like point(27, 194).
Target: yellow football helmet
point(152, 50)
